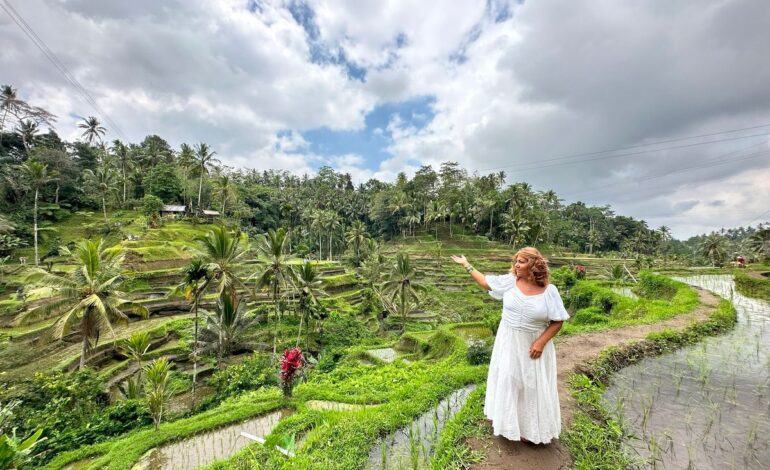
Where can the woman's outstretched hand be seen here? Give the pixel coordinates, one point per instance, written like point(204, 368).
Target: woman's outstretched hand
point(460, 260)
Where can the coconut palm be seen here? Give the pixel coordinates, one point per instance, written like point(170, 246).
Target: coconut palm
point(308, 283)
point(135, 347)
point(276, 273)
point(401, 288)
point(225, 190)
point(223, 256)
point(714, 247)
point(356, 236)
point(194, 283)
point(27, 129)
point(103, 181)
point(185, 161)
point(204, 157)
point(10, 103)
point(124, 160)
point(157, 388)
point(92, 129)
point(87, 298)
point(36, 176)
point(227, 328)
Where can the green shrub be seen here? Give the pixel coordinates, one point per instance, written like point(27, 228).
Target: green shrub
point(479, 352)
point(604, 300)
point(253, 373)
point(563, 278)
point(589, 316)
point(653, 286)
point(342, 331)
point(151, 204)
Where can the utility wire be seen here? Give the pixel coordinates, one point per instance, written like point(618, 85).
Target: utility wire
point(536, 165)
point(53, 58)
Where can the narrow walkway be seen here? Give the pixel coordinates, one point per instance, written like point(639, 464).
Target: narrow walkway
point(572, 351)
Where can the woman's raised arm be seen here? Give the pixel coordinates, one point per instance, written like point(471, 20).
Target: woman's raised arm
point(477, 276)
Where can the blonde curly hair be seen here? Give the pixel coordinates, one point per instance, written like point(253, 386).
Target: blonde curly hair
point(537, 265)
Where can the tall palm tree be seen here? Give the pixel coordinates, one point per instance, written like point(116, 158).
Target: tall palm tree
point(92, 129)
point(223, 256)
point(665, 238)
point(195, 281)
point(225, 189)
point(308, 283)
point(87, 297)
point(204, 157)
point(124, 160)
point(276, 273)
point(185, 161)
point(37, 175)
point(356, 236)
point(331, 224)
point(401, 288)
point(317, 221)
point(103, 181)
point(10, 103)
point(27, 129)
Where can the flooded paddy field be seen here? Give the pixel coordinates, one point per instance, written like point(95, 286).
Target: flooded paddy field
point(704, 406)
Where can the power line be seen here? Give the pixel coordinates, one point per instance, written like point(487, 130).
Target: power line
point(714, 162)
point(53, 58)
point(536, 165)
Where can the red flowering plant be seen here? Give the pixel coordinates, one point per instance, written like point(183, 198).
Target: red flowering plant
point(580, 272)
point(291, 363)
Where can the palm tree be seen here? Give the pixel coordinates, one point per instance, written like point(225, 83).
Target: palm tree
point(714, 247)
point(123, 156)
point(226, 329)
point(88, 296)
point(27, 129)
point(276, 273)
point(185, 161)
point(135, 347)
point(103, 181)
point(308, 283)
point(195, 281)
point(356, 235)
point(222, 253)
point(665, 238)
point(158, 389)
point(10, 103)
point(401, 289)
point(93, 129)
point(332, 224)
point(37, 175)
point(225, 189)
point(317, 221)
point(205, 158)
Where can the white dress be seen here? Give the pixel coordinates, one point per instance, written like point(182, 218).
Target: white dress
point(522, 399)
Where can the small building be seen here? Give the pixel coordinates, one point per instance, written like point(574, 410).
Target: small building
point(209, 216)
point(171, 210)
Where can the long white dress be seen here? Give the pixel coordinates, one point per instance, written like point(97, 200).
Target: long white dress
point(522, 399)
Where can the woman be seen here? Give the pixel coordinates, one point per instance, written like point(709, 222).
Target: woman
point(522, 400)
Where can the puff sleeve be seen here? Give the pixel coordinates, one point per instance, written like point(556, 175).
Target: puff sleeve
point(499, 284)
point(556, 310)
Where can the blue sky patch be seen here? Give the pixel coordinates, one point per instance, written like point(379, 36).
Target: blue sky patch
point(372, 141)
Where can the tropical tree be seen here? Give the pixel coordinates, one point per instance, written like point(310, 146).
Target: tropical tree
point(714, 248)
point(665, 239)
point(401, 288)
point(223, 256)
point(185, 161)
point(27, 129)
point(36, 176)
point(135, 347)
point(331, 224)
point(227, 327)
point(225, 189)
point(356, 236)
point(125, 162)
point(103, 181)
point(194, 283)
point(204, 157)
point(157, 388)
point(276, 273)
point(308, 284)
point(11, 104)
point(87, 297)
point(92, 129)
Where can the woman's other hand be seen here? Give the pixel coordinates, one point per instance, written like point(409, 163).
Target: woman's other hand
point(536, 349)
point(460, 260)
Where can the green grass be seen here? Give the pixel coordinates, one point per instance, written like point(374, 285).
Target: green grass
point(752, 287)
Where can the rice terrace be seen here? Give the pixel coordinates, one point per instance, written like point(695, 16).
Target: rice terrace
point(258, 235)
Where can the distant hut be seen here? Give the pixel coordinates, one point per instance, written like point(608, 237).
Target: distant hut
point(173, 211)
point(209, 216)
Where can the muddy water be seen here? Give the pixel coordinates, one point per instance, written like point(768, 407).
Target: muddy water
point(625, 291)
point(705, 406)
point(413, 446)
point(204, 449)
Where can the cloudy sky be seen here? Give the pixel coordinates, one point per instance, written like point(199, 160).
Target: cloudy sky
point(538, 89)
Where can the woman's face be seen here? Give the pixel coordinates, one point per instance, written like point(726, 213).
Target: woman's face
point(520, 267)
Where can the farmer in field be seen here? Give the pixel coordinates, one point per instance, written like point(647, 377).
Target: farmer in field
point(522, 400)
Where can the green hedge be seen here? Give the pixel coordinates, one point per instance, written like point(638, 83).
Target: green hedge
point(752, 287)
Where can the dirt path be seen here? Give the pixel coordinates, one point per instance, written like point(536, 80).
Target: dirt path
point(500, 453)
